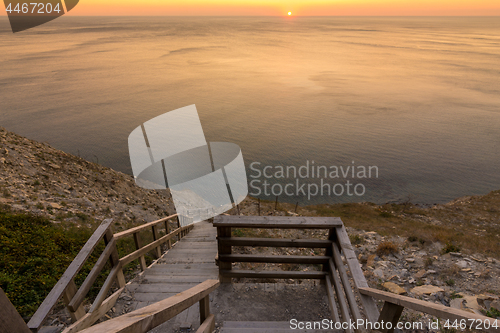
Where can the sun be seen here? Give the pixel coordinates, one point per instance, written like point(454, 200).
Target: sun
point(289, 13)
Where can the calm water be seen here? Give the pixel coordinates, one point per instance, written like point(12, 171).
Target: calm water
point(417, 97)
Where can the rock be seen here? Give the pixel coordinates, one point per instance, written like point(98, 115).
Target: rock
point(495, 305)
point(394, 288)
point(55, 205)
point(426, 290)
point(2, 160)
point(431, 271)
point(456, 254)
point(470, 301)
point(410, 260)
point(379, 273)
point(420, 274)
point(54, 166)
point(457, 303)
point(462, 264)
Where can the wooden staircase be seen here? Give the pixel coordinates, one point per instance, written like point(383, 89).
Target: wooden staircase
point(264, 327)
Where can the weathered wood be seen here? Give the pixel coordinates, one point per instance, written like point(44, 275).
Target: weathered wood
point(68, 295)
point(273, 274)
point(345, 281)
point(145, 249)
point(204, 309)
point(90, 318)
point(369, 305)
point(274, 259)
point(147, 318)
point(141, 227)
point(224, 249)
point(156, 236)
point(390, 314)
point(138, 245)
point(77, 300)
point(277, 222)
point(105, 288)
point(269, 242)
point(344, 311)
point(115, 259)
point(434, 309)
point(10, 319)
point(167, 231)
point(208, 326)
point(73, 269)
point(331, 299)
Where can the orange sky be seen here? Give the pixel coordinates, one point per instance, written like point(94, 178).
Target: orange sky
point(281, 7)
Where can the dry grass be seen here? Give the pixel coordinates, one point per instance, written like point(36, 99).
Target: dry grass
point(386, 248)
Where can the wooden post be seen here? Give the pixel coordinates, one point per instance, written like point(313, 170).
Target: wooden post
point(204, 309)
point(238, 209)
point(70, 291)
point(296, 206)
point(10, 320)
point(276, 204)
point(167, 231)
point(224, 249)
point(138, 245)
point(114, 258)
point(259, 206)
point(390, 313)
point(156, 236)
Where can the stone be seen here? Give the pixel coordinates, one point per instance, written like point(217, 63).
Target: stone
point(394, 288)
point(55, 205)
point(426, 290)
point(457, 303)
point(379, 273)
point(55, 166)
point(420, 274)
point(185, 326)
point(456, 254)
point(462, 264)
point(495, 305)
point(470, 301)
point(410, 260)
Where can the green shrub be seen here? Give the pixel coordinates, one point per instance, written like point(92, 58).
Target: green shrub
point(35, 253)
point(449, 247)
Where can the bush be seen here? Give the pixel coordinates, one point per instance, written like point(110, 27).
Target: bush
point(449, 247)
point(386, 248)
point(35, 253)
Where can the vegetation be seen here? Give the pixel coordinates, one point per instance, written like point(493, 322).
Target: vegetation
point(386, 248)
point(35, 253)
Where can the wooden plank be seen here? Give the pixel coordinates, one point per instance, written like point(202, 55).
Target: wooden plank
point(10, 319)
point(277, 222)
point(147, 318)
point(90, 318)
point(270, 242)
point(345, 282)
point(331, 300)
point(156, 236)
point(274, 259)
point(344, 311)
point(77, 300)
point(136, 254)
point(138, 245)
point(369, 305)
point(390, 313)
point(167, 231)
point(115, 259)
point(204, 309)
point(141, 227)
point(224, 249)
point(73, 269)
point(68, 295)
point(208, 326)
point(273, 274)
point(105, 288)
point(434, 309)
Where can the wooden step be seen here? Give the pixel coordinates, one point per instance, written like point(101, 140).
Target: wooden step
point(265, 327)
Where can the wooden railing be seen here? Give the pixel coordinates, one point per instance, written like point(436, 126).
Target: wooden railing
point(73, 296)
point(147, 318)
point(225, 258)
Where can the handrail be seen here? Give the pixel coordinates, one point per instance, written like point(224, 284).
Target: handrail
point(67, 278)
point(434, 309)
point(73, 296)
point(147, 318)
point(131, 231)
point(277, 222)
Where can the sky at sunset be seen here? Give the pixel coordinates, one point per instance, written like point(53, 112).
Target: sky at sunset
point(282, 7)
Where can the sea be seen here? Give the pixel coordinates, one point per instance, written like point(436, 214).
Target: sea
point(414, 100)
